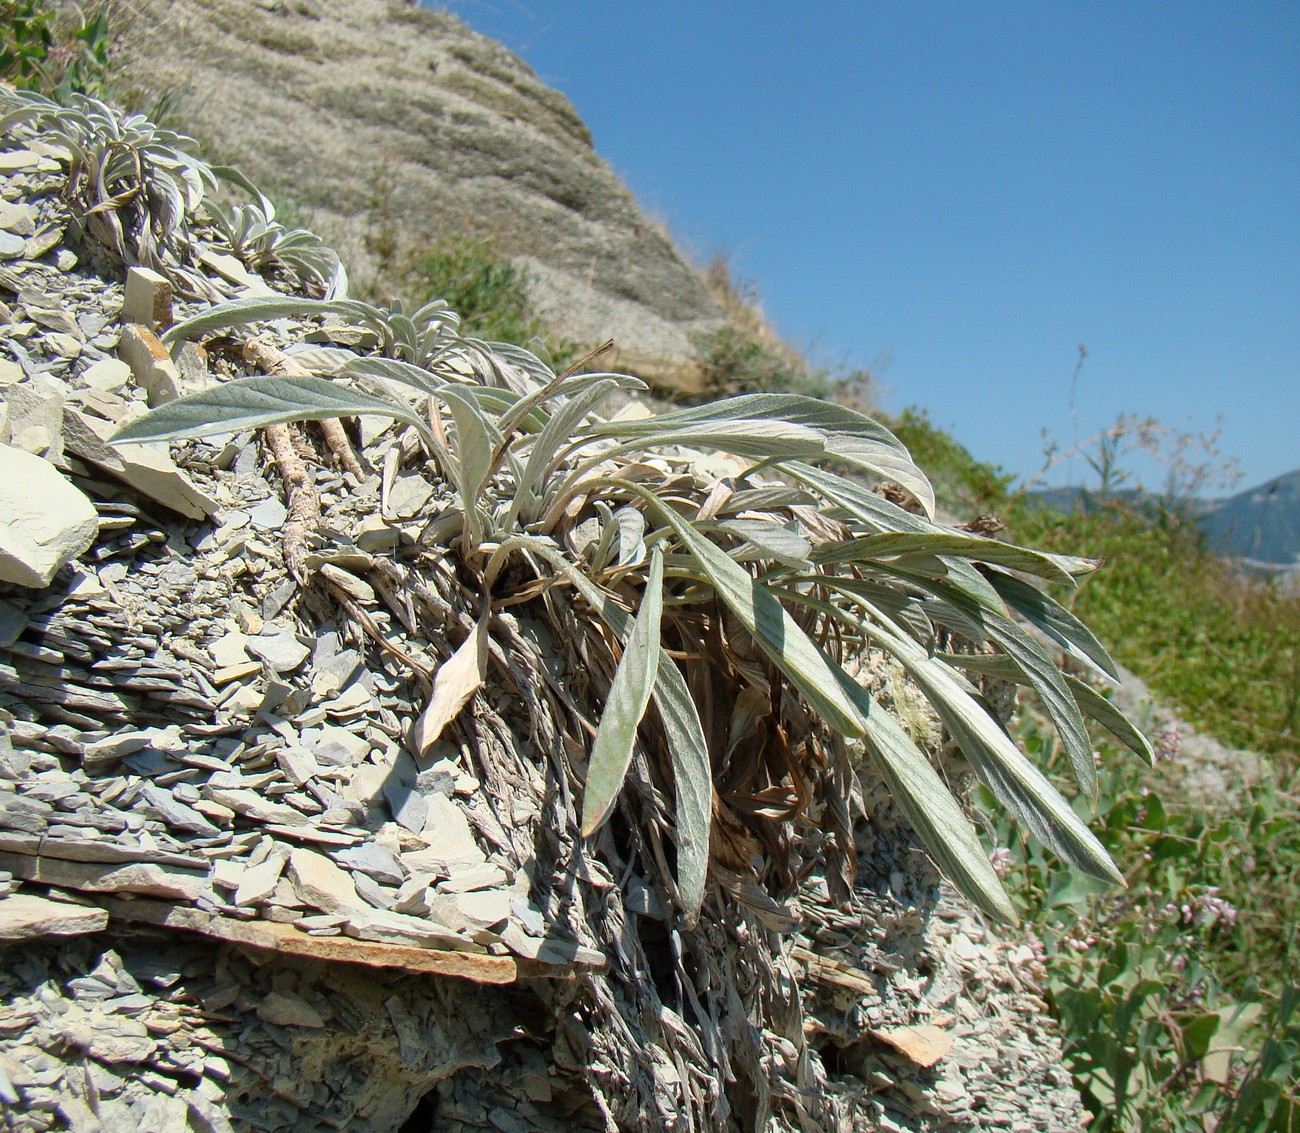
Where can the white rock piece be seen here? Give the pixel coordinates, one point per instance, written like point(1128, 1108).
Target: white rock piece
point(320, 883)
point(337, 747)
point(148, 299)
point(259, 881)
point(106, 374)
point(229, 267)
point(154, 370)
point(25, 916)
point(44, 521)
point(34, 418)
point(147, 468)
point(282, 651)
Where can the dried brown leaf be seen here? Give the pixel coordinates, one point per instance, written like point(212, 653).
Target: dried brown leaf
point(455, 682)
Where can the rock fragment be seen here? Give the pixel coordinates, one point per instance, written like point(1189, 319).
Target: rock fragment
point(146, 468)
point(282, 651)
point(151, 365)
point(320, 883)
point(25, 916)
point(259, 881)
point(148, 299)
point(44, 521)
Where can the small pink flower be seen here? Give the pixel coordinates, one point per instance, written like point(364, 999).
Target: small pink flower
point(1167, 743)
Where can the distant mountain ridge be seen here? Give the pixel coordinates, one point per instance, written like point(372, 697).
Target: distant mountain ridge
point(1260, 525)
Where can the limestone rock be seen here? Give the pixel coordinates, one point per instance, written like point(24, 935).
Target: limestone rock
point(148, 300)
point(24, 916)
point(34, 418)
point(44, 521)
point(151, 365)
point(146, 468)
point(319, 882)
point(409, 108)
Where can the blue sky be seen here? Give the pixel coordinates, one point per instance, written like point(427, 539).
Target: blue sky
point(959, 195)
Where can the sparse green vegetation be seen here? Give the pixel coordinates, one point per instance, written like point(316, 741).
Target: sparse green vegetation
point(737, 362)
point(1177, 998)
point(963, 484)
point(490, 292)
point(55, 52)
point(1222, 648)
point(747, 356)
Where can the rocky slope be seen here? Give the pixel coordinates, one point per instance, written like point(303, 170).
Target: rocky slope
point(377, 118)
point(241, 905)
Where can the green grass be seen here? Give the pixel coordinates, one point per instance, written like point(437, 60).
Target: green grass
point(1221, 648)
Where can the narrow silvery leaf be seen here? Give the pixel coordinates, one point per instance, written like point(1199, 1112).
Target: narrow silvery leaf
point(823, 416)
point(693, 777)
point(558, 391)
point(629, 695)
point(236, 177)
point(903, 609)
point(600, 557)
point(692, 771)
point(892, 545)
point(772, 540)
point(525, 360)
point(767, 621)
point(499, 402)
point(1098, 708)
point(1048, 615)
point(476, 443)
point(1091, 702)
point(886, 463)
point(1049, 683)
point(394, 370)
point(557, 432)
point(970, 596)
point(860, 502)
point(767, 498)
point(321, 359)
point(254, 403)
point(1004, 769)
point(852, 437)
point(239, 312)
point(564, 422)
point(758, 440)
point(935, 815)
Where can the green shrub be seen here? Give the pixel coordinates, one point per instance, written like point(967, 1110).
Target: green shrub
point(1176, 998)
point(964, 485)
point(54, 52)
point(735, 362)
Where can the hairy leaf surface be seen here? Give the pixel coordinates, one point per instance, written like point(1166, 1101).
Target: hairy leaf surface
point(629, 695)
point(254, 403)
